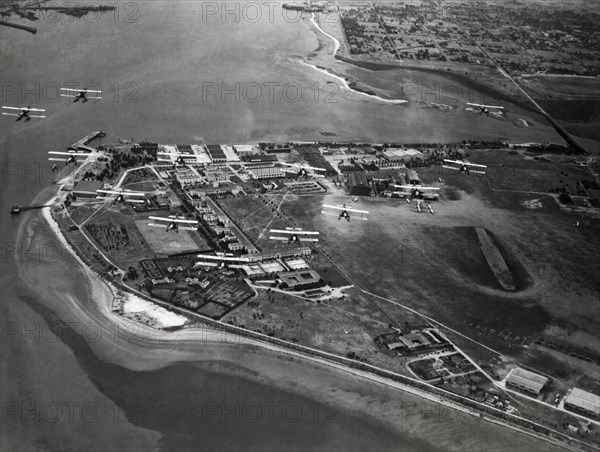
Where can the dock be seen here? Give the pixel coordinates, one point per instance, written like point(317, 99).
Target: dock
point(83, 143)
point(15, 210)
point(31, 30)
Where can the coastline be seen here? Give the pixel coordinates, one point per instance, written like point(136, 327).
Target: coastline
point(104, 294)
point(344, 82)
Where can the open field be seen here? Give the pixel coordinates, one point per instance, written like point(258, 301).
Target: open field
point(562, 87)
point(337, 326)
point(166, 242)
point(257, 215)
point(107, 227)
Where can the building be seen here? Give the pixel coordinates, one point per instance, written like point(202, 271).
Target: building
point(185, 151)
point(87, 189)
point(174, 200)
point(187, 176)
point(202, 157)
point(412, 177)
point(411, 341)
point(296, 264)
point(236, 246)
point(402, 155)
point(246, 149)
point(216, 153)
point(304, 186)
point(299, 251)
point(279, 148)
point(583, 402)
point(230, 153)
point(174, 153)
point(260, 161)
point(271, 267)
point(272, 172)
point(216, 175)
point(301, 279)
point(525, 380)
point(358, 185)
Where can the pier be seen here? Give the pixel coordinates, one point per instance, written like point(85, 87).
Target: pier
point(15, 210)
point(31, 30)
point(83, 143)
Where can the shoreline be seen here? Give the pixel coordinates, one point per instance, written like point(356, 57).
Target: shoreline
point(345, 84)
point(109, 292)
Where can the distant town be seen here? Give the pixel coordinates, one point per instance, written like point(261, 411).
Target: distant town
point(523, 38)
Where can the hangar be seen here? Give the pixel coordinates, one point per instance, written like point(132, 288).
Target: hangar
point(358, 184)
point(583, 402)
point(87, 189)
point(526, 381)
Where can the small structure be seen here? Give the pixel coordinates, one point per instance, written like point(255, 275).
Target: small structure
point(583, 402)
point(525, 380)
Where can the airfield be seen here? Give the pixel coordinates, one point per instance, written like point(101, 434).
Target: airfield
point(501, 275)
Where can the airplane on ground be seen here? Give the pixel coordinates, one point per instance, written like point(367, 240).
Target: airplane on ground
point(416, 191)
point(123, 195)
point(71, 156)
point(180, 160)
point(222, 260)
point(485, 108)
point(345, 212)
point(294, 235)
point(462, 166)
point(419, 206)
point(305, 170)
point(173, 223)
point(24, 113)
point(81, 94)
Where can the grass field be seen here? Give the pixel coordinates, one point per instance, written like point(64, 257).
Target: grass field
point(257, 215)
point(166, 242)
point(338, 326)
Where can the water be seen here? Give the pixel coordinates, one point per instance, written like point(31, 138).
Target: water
point(157, 76)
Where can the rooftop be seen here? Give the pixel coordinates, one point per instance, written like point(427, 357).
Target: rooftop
point(358, 178)
point(585, 400)
point(526, 379)
point(216, 152)
point(88, 186)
